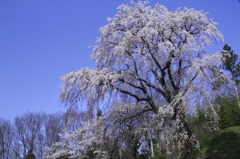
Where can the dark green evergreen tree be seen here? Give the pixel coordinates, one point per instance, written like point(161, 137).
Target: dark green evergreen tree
point(229, 113)
point(230, 63)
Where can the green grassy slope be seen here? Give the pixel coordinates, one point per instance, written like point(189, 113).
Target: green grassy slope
point(225, 145)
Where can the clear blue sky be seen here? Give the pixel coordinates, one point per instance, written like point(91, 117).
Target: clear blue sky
point(41, 40)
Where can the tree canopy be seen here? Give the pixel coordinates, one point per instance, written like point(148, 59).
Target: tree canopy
point(152, 60)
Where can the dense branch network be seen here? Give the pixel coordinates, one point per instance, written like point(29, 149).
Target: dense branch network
point(150, 55)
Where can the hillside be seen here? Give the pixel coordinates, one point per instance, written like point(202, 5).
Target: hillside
point(225, 145)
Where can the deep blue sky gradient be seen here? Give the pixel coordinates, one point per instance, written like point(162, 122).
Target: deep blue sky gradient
point(41, 40)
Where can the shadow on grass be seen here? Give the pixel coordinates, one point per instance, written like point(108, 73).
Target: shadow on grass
point(224, 146)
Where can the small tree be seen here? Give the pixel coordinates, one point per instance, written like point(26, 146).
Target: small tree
point(156, 59)
point(28, 130)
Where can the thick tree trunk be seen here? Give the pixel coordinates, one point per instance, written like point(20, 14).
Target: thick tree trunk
point(184, 127)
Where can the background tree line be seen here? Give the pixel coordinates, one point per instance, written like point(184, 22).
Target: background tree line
point(29, 134)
